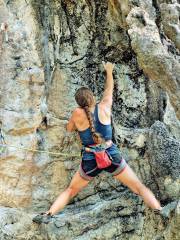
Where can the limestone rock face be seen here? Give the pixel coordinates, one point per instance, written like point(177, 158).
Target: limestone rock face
point(170, 20)
point(50, 48)
point(164, 152)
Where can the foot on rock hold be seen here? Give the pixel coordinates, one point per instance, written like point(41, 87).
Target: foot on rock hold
point(42, 218)
point(166, 210)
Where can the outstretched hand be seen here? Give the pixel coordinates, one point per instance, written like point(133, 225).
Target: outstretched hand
point(108, 66)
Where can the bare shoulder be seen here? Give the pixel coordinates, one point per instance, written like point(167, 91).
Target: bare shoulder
point(79, 118)
point(101, 105)
point(77, 112)
point(104, 108)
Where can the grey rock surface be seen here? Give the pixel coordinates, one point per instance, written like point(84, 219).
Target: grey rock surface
point(50, 49)
point(164, 152)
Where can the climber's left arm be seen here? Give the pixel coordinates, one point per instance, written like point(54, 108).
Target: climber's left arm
point(70, 127)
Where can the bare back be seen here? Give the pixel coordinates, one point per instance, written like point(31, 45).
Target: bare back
point(80, 119)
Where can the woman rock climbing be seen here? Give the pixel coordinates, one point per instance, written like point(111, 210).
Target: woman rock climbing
point(93, 122)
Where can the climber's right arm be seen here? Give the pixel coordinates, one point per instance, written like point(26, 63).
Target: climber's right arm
point(107, 98)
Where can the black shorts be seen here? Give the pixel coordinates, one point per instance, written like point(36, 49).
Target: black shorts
point(88, 168)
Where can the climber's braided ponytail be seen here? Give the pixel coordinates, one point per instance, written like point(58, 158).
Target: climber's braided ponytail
point(96, 136)
point(84, 98)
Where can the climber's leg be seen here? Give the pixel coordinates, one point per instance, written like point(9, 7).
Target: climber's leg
point(129, 179)
point(76, 185)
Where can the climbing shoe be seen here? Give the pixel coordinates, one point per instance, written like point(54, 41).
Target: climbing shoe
point(166, 211)
point(42, 218)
